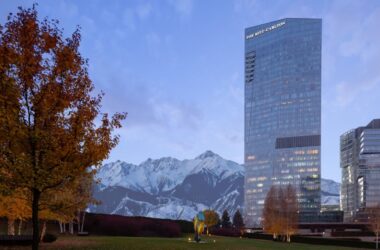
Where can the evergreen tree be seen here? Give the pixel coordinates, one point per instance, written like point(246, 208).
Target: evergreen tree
point(219, 224)
point(238, 220)
point(226, 221)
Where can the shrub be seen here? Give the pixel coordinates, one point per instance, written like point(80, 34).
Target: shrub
point(83, 234)
point(49, 238)
point(230, 232)
point(187, 227)
point(258, 235)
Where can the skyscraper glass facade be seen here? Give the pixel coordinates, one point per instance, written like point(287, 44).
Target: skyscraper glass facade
point(360, 164)
point(282, 112)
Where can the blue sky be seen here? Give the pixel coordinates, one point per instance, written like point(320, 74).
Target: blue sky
point(176, 66)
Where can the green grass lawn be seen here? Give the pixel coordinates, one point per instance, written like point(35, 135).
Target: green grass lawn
point(129, 243)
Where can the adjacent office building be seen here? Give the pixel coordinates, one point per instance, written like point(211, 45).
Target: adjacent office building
point(282, 112)
point(360, 165)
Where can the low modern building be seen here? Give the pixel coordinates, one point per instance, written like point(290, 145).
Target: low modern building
point(321, 217)
point(360, 165)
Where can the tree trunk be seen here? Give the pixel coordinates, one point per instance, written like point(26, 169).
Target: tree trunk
point(377, 240)
point(78, 220)
point(11, 226)
point(60, 227)
point(82, 226)
point(36, 199)
point(71, 227)
point(43, 231)
point(19, 227)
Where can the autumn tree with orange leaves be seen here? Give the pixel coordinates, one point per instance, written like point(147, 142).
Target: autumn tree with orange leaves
point(211, 219)
point(280, 213)
point(51, 128)
point(15, 207)
point(374, 221)
point(271, 213)
point(290, 212)
point(65, 204)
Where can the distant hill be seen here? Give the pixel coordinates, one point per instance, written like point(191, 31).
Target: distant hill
point(174, 189)
point(330, 192)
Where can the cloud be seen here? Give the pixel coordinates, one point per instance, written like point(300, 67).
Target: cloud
point(128, 19)
point(353, 39)
point(183, 7)
point(132, 15)
point(68, 8)
point(236, 89)
point(177, 115)
point(345, 94)
point(148, 106)
point(144, 10)
point(244, 5)
point(152, 38)
point(88, 24)
point(107, 17)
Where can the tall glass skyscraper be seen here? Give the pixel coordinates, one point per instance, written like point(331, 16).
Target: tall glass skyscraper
point(282, 112)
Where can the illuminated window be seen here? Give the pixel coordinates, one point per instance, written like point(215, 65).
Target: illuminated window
point(299, 152)
point(252, 179)
point(251, 157)
point(313, 152)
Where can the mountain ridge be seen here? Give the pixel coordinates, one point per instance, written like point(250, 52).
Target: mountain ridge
point(177, 189)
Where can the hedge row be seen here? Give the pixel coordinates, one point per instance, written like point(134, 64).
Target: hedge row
point(117, 225)
point(16, 240)
point(352, 234)
point(187, 227)
point(230, 232)
point(346, 242)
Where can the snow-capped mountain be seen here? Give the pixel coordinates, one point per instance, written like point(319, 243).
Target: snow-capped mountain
point(171, 188)
point(330, 192)
point(157, 176)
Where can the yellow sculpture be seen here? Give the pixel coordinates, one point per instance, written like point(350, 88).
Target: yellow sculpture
point(199, 225)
